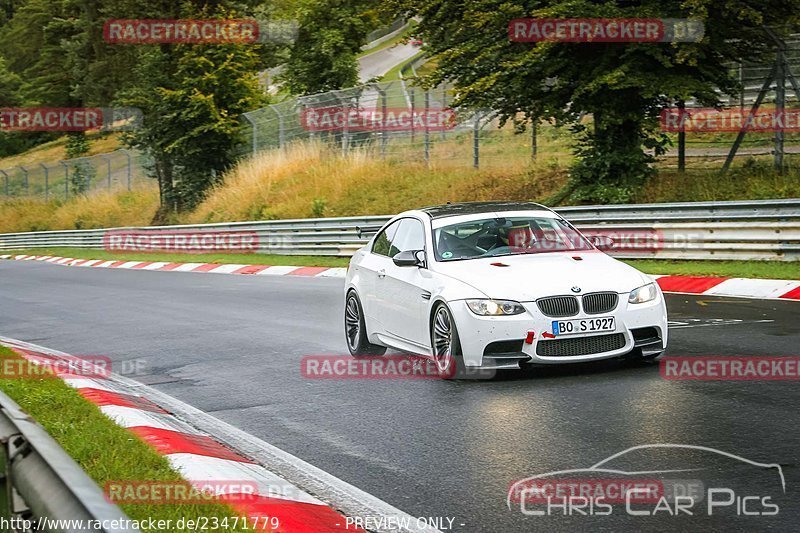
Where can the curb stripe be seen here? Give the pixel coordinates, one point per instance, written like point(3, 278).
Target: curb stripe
point(308, 271)
point(200, 457)
point(129, 417)
point(201, 468)
point(103, 397)
point(250, 269)
point(206, 267)
point(295, 516)
point(793, 294)
point(167, 442)
point(769, 289)
point(689, 284)
point(170, 266)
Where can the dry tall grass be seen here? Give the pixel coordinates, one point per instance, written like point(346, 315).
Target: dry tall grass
point(314, 180)
point(309, 180)
point(99, 210)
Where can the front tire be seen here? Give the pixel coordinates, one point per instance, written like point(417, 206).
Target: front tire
point(446, 345)
point(355, 329)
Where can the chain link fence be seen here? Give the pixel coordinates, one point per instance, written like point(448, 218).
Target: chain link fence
point(395, 121)
point(114, 171)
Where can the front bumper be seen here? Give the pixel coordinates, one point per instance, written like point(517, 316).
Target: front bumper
point(500, 342)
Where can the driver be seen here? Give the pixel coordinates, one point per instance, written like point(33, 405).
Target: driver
point(519, 236)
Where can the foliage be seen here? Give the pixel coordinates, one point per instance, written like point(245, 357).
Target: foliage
point(330, 37)
point(81, 172)
point(623, 85)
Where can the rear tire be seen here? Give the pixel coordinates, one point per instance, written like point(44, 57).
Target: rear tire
point(355, 329)
point(446, 345)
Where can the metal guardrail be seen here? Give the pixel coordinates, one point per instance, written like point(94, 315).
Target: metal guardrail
point(759, 229)
point(43, 482)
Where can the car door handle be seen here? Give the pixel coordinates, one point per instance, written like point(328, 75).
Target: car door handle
point(382, 273)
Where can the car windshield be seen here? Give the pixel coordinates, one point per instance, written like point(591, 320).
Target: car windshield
point(497, 236)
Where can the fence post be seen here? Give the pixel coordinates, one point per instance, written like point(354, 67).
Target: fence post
point(476, 132)
point(681, 139)
point(384, 106)
point(254, 138)
point(427, 130)
point(780, 104)
point(27, 183)
point(413, 115)
point(66, 180)
point(281, 126)
point(3, 172)
point(128, 155)
point(108, 171)
point(534, 132)
point(46, 181)
point(346, 131)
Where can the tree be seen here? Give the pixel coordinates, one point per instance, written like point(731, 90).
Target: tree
point(622, 85)
point(192, 97)
point(82, 172)
point(331, 34)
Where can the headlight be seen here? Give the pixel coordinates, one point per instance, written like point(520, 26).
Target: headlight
point(643, 294)
point(495, 307)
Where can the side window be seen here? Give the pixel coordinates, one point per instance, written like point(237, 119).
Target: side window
point(383, 241)
point(410, 236)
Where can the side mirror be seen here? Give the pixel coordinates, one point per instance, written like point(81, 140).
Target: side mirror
point(410, 258)
point(602, 242)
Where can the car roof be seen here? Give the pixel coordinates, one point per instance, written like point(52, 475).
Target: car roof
point(474, 208)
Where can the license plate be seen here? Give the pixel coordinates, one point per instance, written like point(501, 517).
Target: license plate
point(583, 325)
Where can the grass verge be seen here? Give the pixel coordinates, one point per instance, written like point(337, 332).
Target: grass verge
point(243, 259)
point(738, 269)
point(734, 269)
point(106, 451)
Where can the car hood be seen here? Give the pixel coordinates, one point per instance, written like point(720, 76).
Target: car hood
point(527, 277)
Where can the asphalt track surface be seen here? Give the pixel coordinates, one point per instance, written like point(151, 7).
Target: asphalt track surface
point(232, 346)
point(380, 62)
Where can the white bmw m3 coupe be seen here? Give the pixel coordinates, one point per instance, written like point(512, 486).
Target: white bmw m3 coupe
point(487, 286)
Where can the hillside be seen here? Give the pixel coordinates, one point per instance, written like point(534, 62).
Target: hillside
point(311, 180)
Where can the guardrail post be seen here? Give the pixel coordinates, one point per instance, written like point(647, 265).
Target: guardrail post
point(46, 181)
point(5, 176)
